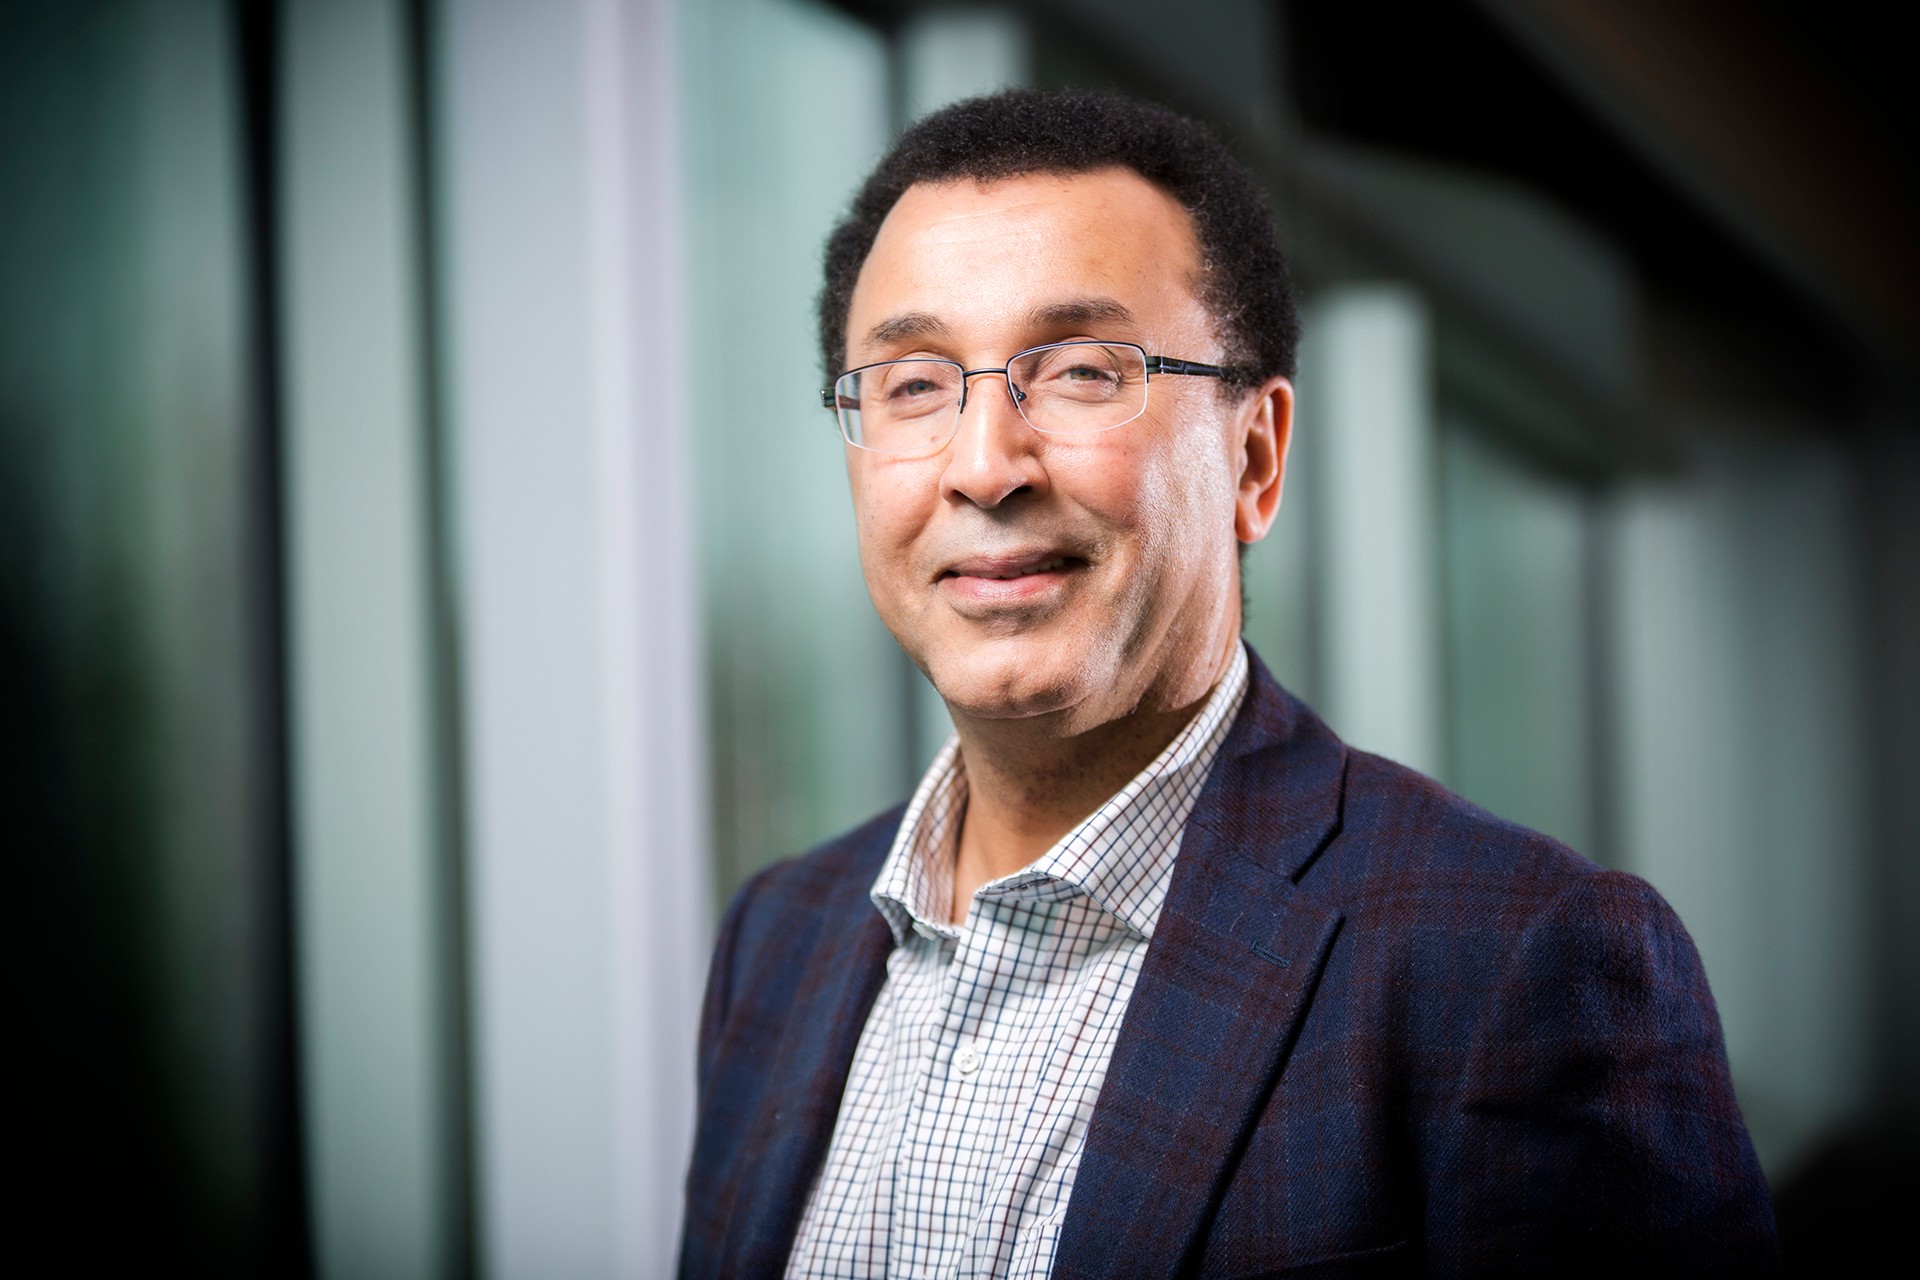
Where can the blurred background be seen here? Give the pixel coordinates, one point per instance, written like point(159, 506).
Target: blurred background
point(413, 626)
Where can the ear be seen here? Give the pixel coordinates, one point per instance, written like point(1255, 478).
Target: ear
point(1265, 430)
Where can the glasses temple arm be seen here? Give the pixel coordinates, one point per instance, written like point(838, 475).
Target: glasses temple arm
point(1192, 368)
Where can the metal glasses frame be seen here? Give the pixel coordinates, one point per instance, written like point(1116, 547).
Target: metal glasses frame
point(1169, 365)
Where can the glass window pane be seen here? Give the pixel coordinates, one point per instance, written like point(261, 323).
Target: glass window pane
point(1517, 637)
point(787, 107)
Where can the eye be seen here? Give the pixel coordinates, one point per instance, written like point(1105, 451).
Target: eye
point(1078, 369)
point(913, 387)
point(1082, 377)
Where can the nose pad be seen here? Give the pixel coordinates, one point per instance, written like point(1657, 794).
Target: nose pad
point(966, 386)
point(1015, 394)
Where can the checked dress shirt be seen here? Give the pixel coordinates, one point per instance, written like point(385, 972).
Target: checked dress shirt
point(967, 1104)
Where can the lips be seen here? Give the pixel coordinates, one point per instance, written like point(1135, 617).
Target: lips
point(987, 587)
point(1007, 568)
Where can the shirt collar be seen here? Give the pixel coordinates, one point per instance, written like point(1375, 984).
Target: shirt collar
point(1120, 856)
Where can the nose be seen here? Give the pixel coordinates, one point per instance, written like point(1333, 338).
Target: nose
point(994, 454)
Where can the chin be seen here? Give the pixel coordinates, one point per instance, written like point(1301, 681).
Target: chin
point(1011, 682)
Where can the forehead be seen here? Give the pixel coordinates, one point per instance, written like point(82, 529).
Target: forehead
point(969, 254)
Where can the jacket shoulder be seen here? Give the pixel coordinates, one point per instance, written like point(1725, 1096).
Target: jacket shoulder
point(779, 912)
point(824, 870)
point(1449, 905)
point(1404, 837)
point(1546, 1028)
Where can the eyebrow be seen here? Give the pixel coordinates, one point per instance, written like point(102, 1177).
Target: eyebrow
point(1079, 313)
point(910, 324)
point(1075, 313)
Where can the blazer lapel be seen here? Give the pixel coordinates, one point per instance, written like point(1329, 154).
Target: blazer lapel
point(1227, 977)
point(790, 1133)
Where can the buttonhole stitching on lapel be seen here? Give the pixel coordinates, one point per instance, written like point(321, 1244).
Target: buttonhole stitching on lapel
point(1274, 956)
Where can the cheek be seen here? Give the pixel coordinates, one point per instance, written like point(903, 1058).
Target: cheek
point(1184, 501)
point(1210, 469)
point(1176, 494)
point(888, 514)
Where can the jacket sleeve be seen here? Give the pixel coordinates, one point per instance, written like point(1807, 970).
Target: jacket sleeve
point(1594, 1125)
point(705, 1211)
point(713, 1007)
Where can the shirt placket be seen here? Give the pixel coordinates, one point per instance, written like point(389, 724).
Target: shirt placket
point(952, 1123)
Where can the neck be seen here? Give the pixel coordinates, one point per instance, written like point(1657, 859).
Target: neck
point(1032, 780)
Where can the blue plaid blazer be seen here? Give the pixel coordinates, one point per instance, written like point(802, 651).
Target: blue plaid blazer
point(1378, 1032)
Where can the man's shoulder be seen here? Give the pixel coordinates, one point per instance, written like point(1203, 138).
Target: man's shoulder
point(1404, 821)
point(1400, 849)
point(1380, 830)
point(1413, 858)
point(1545, 1022)
point(782, 919)
point(829, 882)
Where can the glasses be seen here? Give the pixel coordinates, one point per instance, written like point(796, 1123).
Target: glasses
point(910, 407)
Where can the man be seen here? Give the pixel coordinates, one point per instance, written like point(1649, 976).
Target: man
point(1154, 975)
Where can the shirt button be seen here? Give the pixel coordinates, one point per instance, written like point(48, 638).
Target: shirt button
point(968, 1060)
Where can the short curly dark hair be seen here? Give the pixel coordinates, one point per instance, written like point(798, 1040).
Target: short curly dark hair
point(1244, 278)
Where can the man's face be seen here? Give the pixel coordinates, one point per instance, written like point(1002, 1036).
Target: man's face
point(1123, 542)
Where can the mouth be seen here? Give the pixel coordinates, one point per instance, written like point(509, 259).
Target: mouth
point(999, 570)
point(982, 582)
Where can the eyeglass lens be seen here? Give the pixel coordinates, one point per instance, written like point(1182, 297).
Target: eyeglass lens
point(913, 406)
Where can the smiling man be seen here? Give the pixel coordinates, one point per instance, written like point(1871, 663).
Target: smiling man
point(1153, 975)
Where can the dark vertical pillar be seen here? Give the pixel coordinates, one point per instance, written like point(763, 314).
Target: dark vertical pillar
point(449, 731)
point(283, 1231)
